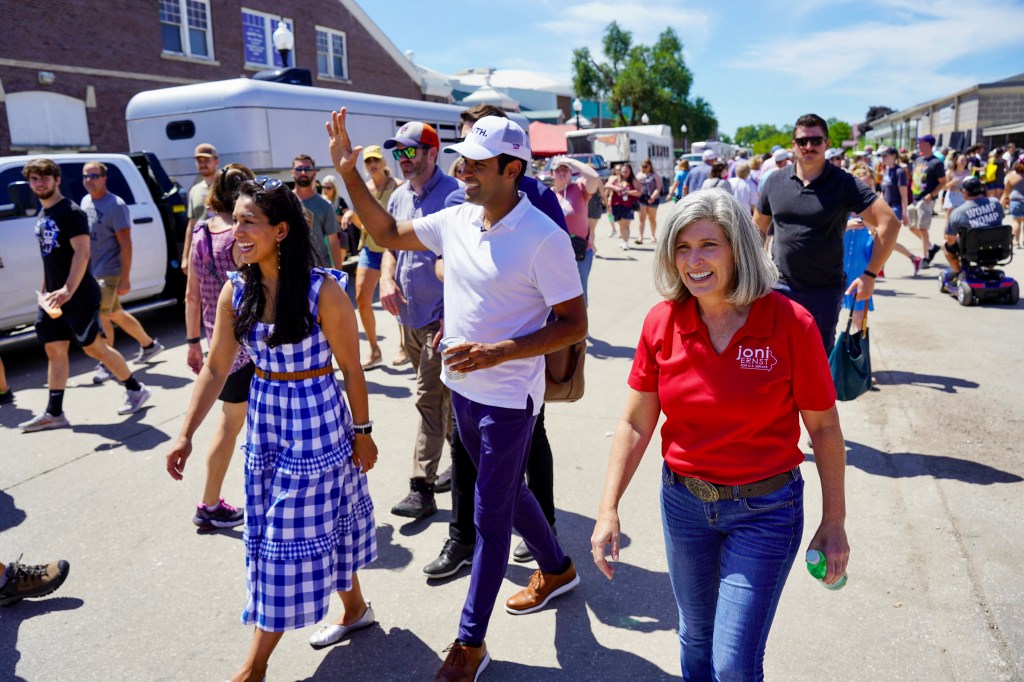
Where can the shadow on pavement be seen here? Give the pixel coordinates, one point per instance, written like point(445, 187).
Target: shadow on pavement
point(390, 556)
point(911, 465)
point(12, 616)
point(596, 348)
point(12, 415)
point(373, 655)
point(638, 599)
point(10, 515)
point(939, 383)
point(130, 433)
point(373, 388)
point(893, 293)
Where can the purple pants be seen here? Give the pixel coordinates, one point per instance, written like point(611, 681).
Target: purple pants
point(498, 440)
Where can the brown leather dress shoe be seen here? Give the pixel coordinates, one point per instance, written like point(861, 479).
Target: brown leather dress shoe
point(464, 663)
point(543, 588)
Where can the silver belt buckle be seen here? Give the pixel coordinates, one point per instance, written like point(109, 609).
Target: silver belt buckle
point(702, 490)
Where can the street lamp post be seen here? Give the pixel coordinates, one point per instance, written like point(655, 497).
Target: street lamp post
point(682, 129)
point(577, 106)
point(284, 41)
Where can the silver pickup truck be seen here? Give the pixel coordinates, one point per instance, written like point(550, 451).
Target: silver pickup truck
point(158, 222)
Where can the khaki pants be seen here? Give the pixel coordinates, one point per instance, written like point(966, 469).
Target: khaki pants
point(433, 400)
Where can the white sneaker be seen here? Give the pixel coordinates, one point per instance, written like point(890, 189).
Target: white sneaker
point(44, 422)
point(332, 634)
point(101, 374)
point(624, 246)
point(133, 400)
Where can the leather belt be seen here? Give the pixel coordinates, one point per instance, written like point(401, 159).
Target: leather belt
point(706, 491)
point(294, 376)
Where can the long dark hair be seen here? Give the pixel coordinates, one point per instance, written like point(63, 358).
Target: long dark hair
point(292, 319)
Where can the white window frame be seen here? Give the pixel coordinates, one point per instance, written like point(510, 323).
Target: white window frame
point(268, 35)
point(331, 32)
point(183, 28)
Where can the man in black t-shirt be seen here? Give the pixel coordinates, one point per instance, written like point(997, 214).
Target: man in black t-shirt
point(69, 304)
point(810, 203)
point(926, 182)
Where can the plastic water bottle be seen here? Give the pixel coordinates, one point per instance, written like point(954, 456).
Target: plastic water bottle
point(817, 567)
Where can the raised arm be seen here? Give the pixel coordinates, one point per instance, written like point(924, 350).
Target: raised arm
point(376, 220)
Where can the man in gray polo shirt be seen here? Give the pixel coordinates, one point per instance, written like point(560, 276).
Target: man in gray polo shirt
point(110, 259)
point(323, 231)
point(410, 290)
point(810, 202)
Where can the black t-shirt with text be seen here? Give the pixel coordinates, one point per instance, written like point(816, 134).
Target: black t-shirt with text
point(809, 224)
point(54, 229)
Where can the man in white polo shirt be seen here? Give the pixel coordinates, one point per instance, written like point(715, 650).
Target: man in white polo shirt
point(507, 267)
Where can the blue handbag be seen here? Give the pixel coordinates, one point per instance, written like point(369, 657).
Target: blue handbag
point(850, 361)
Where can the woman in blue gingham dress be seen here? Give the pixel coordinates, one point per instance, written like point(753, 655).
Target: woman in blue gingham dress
point(308, 509)
point(309, 519)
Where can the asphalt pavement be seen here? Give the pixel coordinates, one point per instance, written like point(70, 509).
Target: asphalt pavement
point(934, 485)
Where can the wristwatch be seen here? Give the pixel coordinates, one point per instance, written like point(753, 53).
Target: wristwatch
point(363, 429)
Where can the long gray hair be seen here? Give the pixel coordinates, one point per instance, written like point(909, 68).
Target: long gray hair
point(755, 273)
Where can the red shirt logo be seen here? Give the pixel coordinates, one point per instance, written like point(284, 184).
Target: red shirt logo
point(756, 358)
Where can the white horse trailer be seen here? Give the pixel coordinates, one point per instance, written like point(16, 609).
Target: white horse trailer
point(630, 144)
point(264, 125)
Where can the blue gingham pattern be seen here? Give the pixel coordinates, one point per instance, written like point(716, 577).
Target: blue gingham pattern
point(309, 521)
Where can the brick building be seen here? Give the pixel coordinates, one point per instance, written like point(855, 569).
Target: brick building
point(66, 74)
point(991, 114)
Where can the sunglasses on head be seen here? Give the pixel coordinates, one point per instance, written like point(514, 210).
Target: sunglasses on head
point(811, 141)
point(408, 153)
point(92, 176)
point(268, 184)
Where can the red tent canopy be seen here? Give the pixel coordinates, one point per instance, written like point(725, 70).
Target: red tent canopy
point(547, 139)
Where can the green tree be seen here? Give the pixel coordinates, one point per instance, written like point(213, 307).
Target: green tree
point(641, 79)
point(839, 131)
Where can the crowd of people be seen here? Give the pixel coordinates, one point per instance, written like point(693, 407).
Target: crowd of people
point(485, 270)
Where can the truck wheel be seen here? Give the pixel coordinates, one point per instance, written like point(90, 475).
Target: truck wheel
point(964, 295)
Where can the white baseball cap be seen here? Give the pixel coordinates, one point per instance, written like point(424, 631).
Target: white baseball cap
point(781, 155)
point(709, 155)
point(492, 136)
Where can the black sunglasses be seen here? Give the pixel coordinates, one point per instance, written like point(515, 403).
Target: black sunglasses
point(811, 141)
point(303, 169)
point(269, 184)
point(92, 176)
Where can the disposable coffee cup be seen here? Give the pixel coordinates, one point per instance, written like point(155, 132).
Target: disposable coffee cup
point(446, 343)
point(47, 308)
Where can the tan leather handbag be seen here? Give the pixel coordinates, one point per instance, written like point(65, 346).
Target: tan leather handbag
point(563, 373)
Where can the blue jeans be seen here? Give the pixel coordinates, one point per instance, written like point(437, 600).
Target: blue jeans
point(822, 304)
point(584, 267)
point(728, 562)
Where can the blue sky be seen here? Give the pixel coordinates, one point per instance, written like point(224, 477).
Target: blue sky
point(756, 62)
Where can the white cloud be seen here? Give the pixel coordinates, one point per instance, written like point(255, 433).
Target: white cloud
point(892, 61)
point(583, 24)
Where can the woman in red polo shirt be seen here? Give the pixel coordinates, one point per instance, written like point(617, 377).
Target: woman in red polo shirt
point(735, 367)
